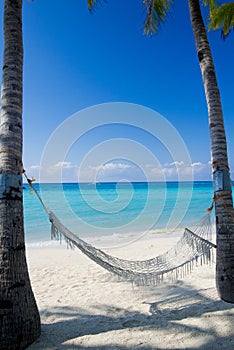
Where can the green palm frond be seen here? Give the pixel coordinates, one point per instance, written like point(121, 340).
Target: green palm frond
point(156, 12)
point(94, 4)
point(223, 17)
point(91, 4)
point(211, 3)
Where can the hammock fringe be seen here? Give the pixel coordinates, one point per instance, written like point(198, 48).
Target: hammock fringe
point(191, 250)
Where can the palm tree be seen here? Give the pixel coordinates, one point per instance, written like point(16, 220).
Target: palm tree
point(223, 17)
point(157, 11)
point(224, 213)
point(19, 317)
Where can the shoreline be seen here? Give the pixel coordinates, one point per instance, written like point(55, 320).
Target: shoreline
point(82, 306)
point(112, 241)
point(117, 240)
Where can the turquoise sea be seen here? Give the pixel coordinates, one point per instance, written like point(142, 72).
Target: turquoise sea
point(115, 209)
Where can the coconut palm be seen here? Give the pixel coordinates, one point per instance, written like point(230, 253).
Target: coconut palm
point(223, 17)
point(19, 317)
point(156, 13)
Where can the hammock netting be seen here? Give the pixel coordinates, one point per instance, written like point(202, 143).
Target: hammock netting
point(192, 248)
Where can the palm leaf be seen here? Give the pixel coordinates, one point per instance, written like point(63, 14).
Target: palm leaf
point(223, 17)
point(156, 12)
point(91, 4)
point(211, 3)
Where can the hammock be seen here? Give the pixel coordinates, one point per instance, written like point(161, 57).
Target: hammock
point(194, 247)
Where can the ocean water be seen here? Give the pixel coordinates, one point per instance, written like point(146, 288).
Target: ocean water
point(115, 210)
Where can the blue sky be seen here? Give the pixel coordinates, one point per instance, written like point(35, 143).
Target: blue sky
point(74, 60)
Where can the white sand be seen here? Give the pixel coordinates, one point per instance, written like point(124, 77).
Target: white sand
point(83, 307)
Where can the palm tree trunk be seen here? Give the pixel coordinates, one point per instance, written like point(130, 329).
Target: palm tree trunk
point(19, 317)
point(221, 177)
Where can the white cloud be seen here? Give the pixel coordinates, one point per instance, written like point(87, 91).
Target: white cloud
point(109, 172)
point(113, 166)
point(113, 171)
point(64, 165)
point(34, 167)
point(177, 163)
point(198, 164)
point(178, 170)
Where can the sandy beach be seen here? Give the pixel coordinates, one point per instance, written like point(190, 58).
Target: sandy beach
point(83, 307)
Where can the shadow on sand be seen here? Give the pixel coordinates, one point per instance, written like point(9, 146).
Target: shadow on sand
point(165, 314)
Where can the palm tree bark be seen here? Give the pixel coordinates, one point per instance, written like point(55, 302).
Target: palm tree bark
point(221, 177)
point(19, 317)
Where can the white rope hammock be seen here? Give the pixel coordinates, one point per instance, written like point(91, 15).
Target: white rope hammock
point(193, 248)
